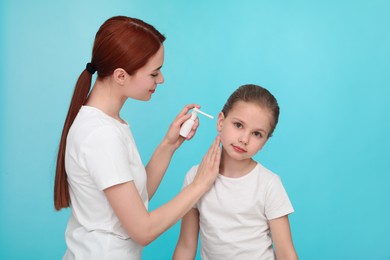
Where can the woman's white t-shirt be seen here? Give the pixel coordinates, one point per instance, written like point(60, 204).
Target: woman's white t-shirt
point(100, 153)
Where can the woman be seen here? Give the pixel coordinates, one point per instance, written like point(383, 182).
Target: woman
point(99, 172)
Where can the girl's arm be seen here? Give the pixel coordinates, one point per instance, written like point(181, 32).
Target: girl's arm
point(188, 240)
point(281, 236)
point(143, 226)
point(162, 156)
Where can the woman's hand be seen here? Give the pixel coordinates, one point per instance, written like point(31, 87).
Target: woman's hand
point(209, 168)
point(173, 136)
point(162, 156)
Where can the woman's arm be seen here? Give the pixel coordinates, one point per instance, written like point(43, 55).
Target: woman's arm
point(188, 240)
point(281, 236)
point(162, 156)
point(144, 226)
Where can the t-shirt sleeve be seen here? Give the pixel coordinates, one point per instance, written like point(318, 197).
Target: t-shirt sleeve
point(106, 156)
point(190, 178)
point(277, 203)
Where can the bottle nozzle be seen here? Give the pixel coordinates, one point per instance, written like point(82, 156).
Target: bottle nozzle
point(203, 113)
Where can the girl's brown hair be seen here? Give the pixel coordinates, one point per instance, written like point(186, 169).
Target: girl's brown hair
point(121, 42)
point(258, 95)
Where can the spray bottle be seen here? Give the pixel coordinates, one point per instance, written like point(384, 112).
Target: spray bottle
point(187, 126)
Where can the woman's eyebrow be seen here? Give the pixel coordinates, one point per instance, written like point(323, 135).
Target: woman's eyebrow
point(158, 68)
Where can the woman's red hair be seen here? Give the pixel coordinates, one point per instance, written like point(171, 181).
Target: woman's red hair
point(121, 42)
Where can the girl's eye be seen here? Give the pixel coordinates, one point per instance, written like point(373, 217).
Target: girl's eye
point(238, 125)
point(154, 75)
point(257, 134)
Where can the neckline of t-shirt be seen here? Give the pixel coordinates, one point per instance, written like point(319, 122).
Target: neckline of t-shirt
point(242, 177)
point(125, 124)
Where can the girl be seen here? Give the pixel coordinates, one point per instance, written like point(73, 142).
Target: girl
point(99, 172)
point(247, 203)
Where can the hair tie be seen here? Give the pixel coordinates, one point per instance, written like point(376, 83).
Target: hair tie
point(90, 68)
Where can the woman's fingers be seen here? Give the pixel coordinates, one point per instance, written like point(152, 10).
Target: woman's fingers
point(193, 129)
point(216, 154)
point(187, 108)
point(209, 168)
point(183, 115)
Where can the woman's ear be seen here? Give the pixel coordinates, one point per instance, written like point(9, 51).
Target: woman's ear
point(120, 76)
point(221, 118)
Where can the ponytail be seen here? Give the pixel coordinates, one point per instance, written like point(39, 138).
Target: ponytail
point(80, 94)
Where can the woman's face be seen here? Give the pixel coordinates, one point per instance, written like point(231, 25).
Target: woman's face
point(144, 82)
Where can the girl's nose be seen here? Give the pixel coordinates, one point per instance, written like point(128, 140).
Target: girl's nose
point(244, 138)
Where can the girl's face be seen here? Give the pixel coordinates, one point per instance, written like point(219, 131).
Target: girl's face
point(144, 82)
point(245, 130)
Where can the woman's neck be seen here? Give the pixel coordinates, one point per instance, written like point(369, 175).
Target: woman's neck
point(235, 168)
point(104, 97)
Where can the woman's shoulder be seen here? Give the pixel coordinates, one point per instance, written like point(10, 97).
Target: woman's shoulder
point(91, 124)
point(95, 117)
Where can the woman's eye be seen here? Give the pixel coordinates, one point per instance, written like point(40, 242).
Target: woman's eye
point(154, 75)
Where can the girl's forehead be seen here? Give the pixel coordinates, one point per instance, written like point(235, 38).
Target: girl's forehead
point(241, 106)
point(252, 113)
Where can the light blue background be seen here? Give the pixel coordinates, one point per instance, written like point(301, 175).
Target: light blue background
point(327, 62)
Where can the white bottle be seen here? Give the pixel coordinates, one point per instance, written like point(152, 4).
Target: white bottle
point(187, 126)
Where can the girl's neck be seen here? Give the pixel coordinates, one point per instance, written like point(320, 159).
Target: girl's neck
point(233, 168)
point(103, 97)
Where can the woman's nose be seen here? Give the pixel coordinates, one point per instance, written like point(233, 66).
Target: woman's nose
point(160, 78)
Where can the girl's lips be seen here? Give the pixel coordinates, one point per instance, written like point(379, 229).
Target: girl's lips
point(152, 90)
point(238, 149)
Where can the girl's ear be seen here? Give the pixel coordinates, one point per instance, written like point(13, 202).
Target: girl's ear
point(221, 118)
point(120, 76)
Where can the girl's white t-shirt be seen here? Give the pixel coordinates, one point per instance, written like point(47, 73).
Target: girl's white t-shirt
point(100, 153)
point(234, 215)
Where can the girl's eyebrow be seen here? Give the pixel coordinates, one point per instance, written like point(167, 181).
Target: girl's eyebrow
point(262, 130)
point(242, 122)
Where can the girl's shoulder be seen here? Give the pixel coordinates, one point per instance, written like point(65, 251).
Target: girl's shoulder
point(191, 174)
point(265, 174)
